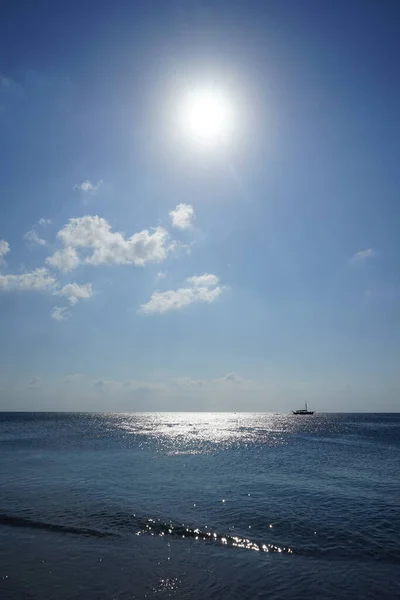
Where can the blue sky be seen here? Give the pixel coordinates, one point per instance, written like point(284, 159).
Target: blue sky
point(141, 270)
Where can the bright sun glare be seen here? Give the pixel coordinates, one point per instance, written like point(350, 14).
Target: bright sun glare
point(206, 116)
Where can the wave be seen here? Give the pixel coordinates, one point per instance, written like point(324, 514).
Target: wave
point(154, 527)
point(122, 524)
point(12, 521)
point(157, 527)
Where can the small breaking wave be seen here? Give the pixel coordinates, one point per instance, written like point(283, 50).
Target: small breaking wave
point(120, 525)
point(157, 527)
point(153, 527)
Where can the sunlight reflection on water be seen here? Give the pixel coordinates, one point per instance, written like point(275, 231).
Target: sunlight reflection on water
point(197, 433)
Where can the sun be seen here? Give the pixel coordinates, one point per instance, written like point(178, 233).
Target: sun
point(206, 116)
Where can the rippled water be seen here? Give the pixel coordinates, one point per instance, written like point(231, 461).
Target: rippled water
point(199, 506)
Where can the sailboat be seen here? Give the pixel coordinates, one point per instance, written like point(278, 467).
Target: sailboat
point(303, 411)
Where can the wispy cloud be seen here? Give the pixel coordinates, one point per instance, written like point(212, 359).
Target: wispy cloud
point(4, 249)
point(33, 236)
point(182, 216)
point(108, 247)
point(59, 313)
point(4, 81)
point(232, 378)
point(88, 188)
point(363, 255)
point(73, 378)
point(36, 280)
point(203, 288)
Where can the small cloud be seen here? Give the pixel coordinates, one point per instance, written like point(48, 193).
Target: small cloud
point(363, 255)
point(160, 275)
point(105, 384)
point(182, 216)
point(205, 280)
point(60, 313)
point(232, 378)
point(75, 292)
point(72, 378)
point(87, 188)
point(202, 288)
point(34, 382)
point(4, 81)
point(4, 249)
point(33, 237)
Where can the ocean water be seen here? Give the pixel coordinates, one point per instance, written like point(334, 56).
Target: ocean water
point(199, 506)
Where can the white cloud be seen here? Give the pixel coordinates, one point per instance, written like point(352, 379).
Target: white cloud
point(161, 275)
point(36, 280)
point(60, 313)
point(4, 249)
point(363, 255)
point(162, 302)
point(94, 232)
point(87, 187)
point(75, 292)
point(182, 216)
point(33, 237)
point(64, 260)
point(205, 280)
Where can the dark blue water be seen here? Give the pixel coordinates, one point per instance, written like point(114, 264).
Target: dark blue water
point(199, 506)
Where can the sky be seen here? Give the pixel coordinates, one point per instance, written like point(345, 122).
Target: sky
point(199, 205)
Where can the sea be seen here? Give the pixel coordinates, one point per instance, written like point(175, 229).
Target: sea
point(199, 506)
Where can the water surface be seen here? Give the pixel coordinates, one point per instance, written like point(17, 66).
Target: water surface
point(199, 506)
